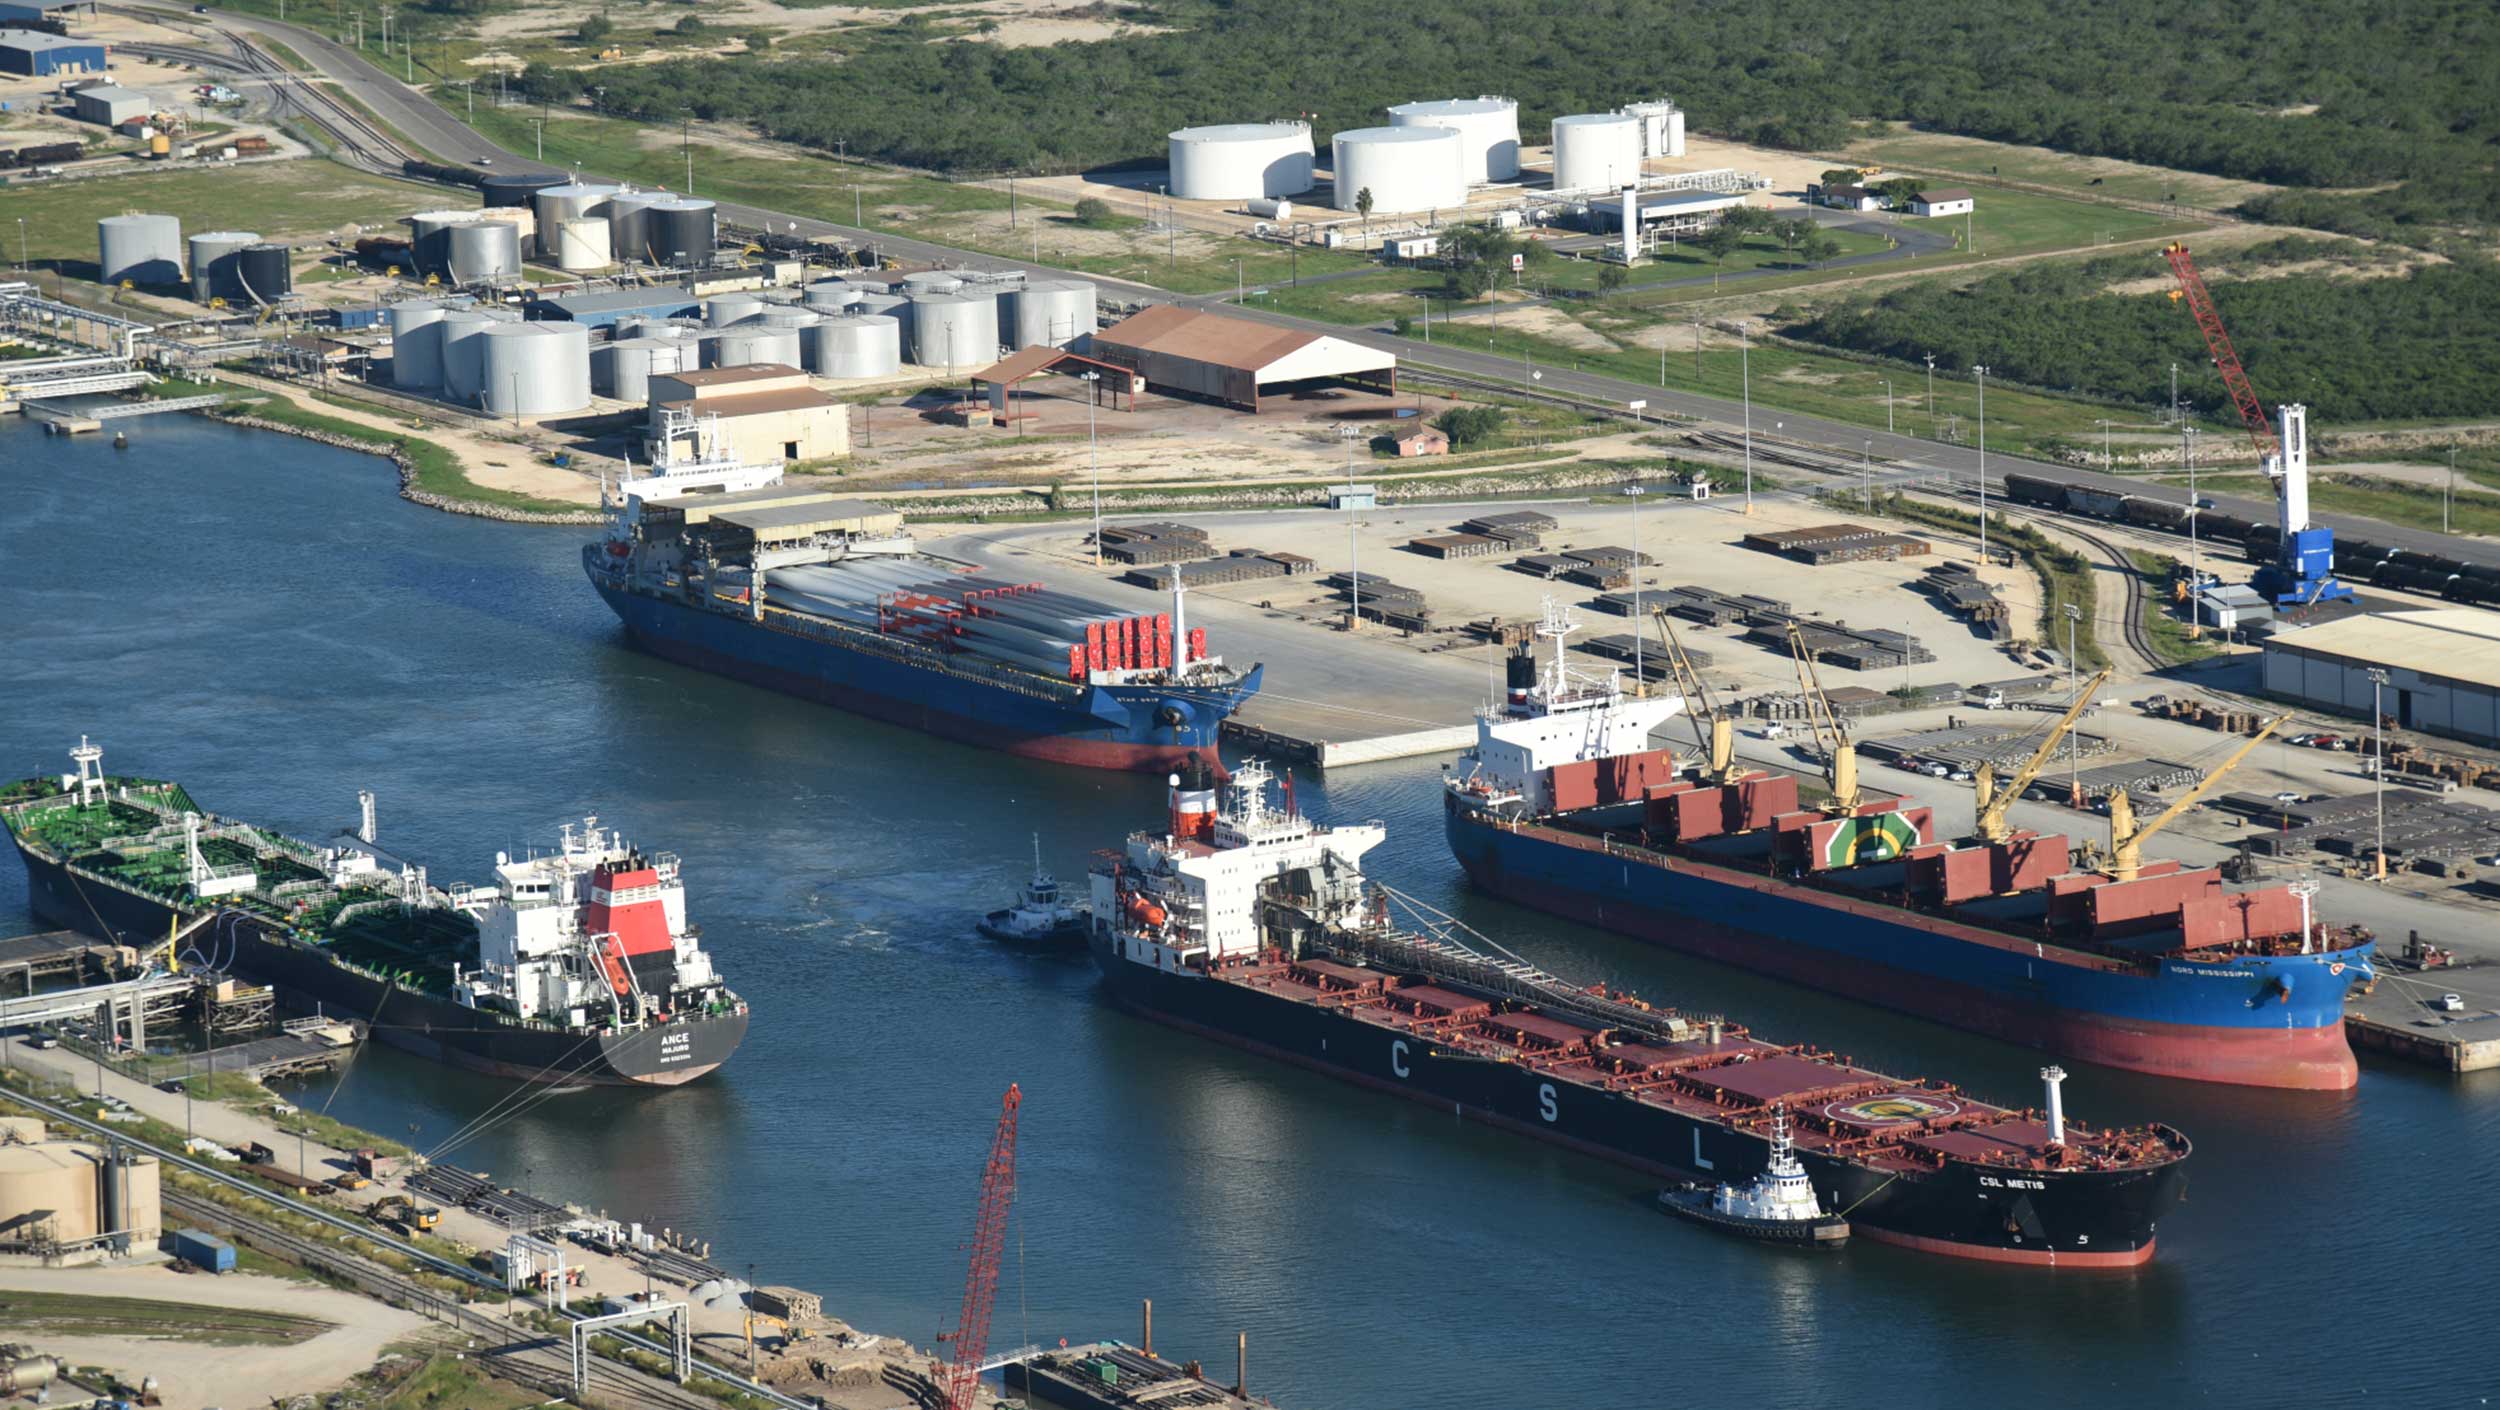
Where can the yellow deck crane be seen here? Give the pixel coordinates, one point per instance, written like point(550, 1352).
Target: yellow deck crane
point(1840, 757)
point(2126, 837)
point(1712, 729)
point(1994, 802)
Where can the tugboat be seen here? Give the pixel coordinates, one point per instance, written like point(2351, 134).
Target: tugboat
point(1040, 919)
point(1777, 1206)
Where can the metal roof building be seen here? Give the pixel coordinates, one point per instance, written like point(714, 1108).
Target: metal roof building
point(35, 54)
point(604, 308)
point(2442, 665)
point(1234, 360)
point(111, 104)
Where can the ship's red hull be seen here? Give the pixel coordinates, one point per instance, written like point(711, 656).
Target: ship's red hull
point(2303, 1059)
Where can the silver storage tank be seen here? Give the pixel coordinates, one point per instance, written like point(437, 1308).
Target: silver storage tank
point(266, 272)
point(682, 231)
point(721, 310)
point(484, 251)
point(417, 345)
point(429, 238)
point(929, 281)
point(572, 201)
point(582, 245)
point(140, 249)
point(787, 316)
point(857, 345)
point(213, 267)
point(1055, 313)
point(629, 219)
point(463, 355)
point(954, 330)
point(832, 296)
point(624, 368)
point(882, 303)
point(754, 342)
point(535, 369)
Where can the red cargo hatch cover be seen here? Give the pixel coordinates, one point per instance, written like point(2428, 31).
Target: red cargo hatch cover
point(2019, 1140)
point(1768, 1080)
point(1339, 975)
point(1440, 1003)
point(1536, 1027)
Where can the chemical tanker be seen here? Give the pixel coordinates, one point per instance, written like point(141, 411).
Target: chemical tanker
point(2151, 966)
point(575, 968)
point(827, 599)
point(1251, 924)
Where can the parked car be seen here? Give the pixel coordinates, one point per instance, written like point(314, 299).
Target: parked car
point(1934, 770)
point(2287, 799)
point(1960, 776)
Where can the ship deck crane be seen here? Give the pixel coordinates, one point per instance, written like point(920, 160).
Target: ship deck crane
point(1712, 729)
point(2127, 837)
point(1994, 802)
point(960, 1377)
point(1840, 758)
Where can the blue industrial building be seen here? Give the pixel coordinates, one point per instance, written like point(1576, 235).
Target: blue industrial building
point(31, 53)
point(605, 308)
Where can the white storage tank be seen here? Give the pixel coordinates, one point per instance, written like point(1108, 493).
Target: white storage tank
point(463, 353)
point(954, 330)
point(1266, 209)
point(930, 281)
point(1597, 152)
point(623, 369)
point(1055, 313)
point(721, 310)
point(1405, 168)
point(751, 343)
point(582, 245)
point(417, 345)
point(484, 251)
point(1239, 161)
point(832, 296)
point(214, 273)
point(534, 369)
point(139, 249)
point(1487, 128)
point(860, 345)
point(787, 316)
point(572, 201)
point(881, 303)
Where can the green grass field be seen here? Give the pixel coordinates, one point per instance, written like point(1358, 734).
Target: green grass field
point(450, 1383)
point(75, 1314)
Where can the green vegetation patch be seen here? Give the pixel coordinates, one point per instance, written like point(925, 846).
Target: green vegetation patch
point(80, 1314)
point(457, 1383)
point(297, 199)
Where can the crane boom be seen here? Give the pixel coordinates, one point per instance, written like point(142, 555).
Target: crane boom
point(1714, 731)
point(1993, 801)
point(2226, 358)
point(1840, 768)
point(962, 1375)
point(2126, 838)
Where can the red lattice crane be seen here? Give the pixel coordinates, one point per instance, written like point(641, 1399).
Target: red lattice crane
point(2218, 342)
point(962, 1375)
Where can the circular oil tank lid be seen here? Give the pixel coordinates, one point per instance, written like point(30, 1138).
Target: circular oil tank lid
point(572, 189)
point(524, 180)
point(1454, 107)
point(267, 247)
point(864, 320)
point(230, 237)
point(447, 217)
point(1383, 135)
point(1241, 132)
point(138, 218)
point(682, 203)
point(1597, 120)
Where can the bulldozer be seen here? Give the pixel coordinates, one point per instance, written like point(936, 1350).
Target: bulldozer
point(403, 1214)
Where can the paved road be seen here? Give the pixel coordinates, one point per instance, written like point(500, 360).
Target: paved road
point(428, 125)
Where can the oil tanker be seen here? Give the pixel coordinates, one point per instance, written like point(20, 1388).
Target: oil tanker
point(1251, 924)
point(829, 600)
point(2151, 966)
point(577, 967)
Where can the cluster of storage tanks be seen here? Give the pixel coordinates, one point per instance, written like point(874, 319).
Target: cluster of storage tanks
point(586, 227)
point(1425, 159)
point(234, 265)
point(484, 356)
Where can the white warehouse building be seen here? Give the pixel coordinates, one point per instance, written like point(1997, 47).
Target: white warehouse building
point(1405, 168)
point(2442, 665)
point(1243, 161)
point(1488, 133)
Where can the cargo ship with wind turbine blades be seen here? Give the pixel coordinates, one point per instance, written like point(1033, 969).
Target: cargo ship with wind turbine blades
point(1249, 923)
point(2092, 953)
point(830, 600)
point(577, 967)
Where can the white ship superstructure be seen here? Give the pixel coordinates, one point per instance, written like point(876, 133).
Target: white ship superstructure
point(1187, 897)
point(1554, 716)
point(593, 925)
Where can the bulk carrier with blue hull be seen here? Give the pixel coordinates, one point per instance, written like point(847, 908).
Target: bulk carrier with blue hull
point(2154, 967)
point(576, 968)
point(1253, 925)
point(828, 600)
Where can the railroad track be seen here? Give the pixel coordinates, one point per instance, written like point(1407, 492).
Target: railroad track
point(360, 142)
point(2131, 628)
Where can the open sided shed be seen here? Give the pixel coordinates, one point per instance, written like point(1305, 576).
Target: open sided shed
point(1002, 376)
point(1236, 360)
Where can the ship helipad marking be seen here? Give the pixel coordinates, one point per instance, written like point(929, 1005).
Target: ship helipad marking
point(1891, 1109)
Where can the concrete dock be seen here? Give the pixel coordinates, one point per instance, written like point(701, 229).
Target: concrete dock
point(1115, 1376)
point(2406, 1016)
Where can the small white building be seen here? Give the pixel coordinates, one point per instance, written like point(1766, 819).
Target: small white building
point(2232, 606)
point(110, 105)
point(768, 413)
point(1411, 246)
point(1952, 200)
point(1852, 198)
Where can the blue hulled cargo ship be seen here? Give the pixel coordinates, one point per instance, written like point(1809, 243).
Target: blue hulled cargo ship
point(827, 599)
point(2150, 966)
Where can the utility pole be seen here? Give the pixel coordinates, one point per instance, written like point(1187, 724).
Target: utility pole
point(2448, 491)
point(1980, 375)
point(1744, 337)
point(1354, 542)
point(1640, 623)
point(2378, 772)
point(1887, 381)
point(1093, 399)
point(2074, 747)
point(2196, 574)
point(1867, 465)
point(2109, 463)
point(2174, 393)
point(1931, 392)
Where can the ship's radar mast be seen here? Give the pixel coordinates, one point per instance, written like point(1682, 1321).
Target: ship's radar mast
point(90, 761)
point(364, 815)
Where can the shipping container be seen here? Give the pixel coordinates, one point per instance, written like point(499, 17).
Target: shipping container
point(203, 1250)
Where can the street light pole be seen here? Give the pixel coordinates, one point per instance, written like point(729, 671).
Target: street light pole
point(1887, 381)
point(2196, 576)
point(1354, 543)
point(2074, 748)
point(1744, 336)
point(1867, 473)
point(2378, 772)
point(1980, 375)
point(2448, 491)
point(1640, 623)
point(2109, 462)
point(1931, 392)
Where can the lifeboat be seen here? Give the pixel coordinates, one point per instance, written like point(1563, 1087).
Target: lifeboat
point(1145, 910)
